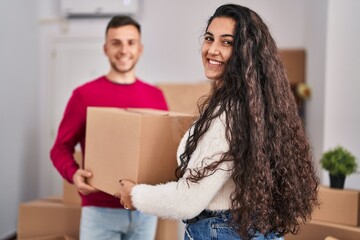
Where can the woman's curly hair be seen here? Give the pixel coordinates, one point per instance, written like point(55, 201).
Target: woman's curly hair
point(274, 174)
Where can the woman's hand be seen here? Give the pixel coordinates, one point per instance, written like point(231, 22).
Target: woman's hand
point(124, 194)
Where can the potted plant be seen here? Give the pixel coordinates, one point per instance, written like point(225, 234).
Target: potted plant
point(340, 163)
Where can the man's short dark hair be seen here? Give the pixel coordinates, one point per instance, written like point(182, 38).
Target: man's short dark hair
point(122, 20)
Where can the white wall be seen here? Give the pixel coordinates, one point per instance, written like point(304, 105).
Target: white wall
point(19, 86)
point(342, 87)
point(315, 42)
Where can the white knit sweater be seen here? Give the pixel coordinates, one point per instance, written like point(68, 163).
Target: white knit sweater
point(184, 199)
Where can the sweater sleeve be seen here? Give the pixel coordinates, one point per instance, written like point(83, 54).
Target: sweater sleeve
point(70, 133)
point(184, 199)
point(162, 102)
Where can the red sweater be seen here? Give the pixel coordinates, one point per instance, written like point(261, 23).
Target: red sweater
point(100, 93)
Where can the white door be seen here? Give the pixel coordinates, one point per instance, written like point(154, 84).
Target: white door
point(76, 60)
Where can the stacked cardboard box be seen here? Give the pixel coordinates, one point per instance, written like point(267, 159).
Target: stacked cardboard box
point(70, 193)
point(48, 219)
point(52, 218)
point(294, 64)
point(184, 97)
point(338, 216)
point(319, 230)
point(340, 206)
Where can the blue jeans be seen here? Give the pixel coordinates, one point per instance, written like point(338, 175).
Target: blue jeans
point(120, 224)
point(217, 228)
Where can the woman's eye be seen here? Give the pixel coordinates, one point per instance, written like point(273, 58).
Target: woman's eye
point(229, 43)
point(208, 39)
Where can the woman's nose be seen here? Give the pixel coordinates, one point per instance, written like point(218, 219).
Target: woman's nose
point(214, 49)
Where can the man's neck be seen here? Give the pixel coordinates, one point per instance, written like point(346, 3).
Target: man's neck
point(121, 78)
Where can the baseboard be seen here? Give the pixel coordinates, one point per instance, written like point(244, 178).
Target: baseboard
point(10, 236)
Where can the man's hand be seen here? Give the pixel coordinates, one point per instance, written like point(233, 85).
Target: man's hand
point(80, 183)
point(124, 194)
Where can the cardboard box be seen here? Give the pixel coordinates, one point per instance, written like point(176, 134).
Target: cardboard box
point(294, 63)
point(70, 193)
point(135, 144)
point(184, 97)
point(166, 229)
point(338, 206)
point(318, 230)
point(48, 217)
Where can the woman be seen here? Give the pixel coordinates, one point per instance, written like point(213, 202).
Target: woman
point(245, 165)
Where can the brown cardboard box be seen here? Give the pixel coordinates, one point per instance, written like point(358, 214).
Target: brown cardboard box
point(318, 230)
point(48, 217)
point(294, 63)
point(184, 97)
point(132, 144)
point(338, 206)
point(166, 229)
point(70, 193)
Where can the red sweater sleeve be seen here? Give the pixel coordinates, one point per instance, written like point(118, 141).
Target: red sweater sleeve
point(162, 103)
point(70, 132)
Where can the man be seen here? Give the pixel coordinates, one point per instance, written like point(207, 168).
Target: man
point(103, 217)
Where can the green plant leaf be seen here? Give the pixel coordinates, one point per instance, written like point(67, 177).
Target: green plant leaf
point(339, 161)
